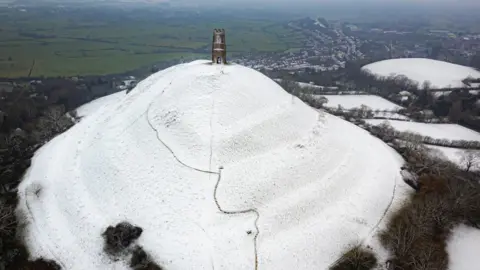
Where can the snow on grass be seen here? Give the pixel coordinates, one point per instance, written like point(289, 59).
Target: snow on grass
point(356, 101)
point(436, 131)
point(462, 248)
point(318, 183)
point(98, 103)
point(455, 155)
point(311, 85)
point(440, 74)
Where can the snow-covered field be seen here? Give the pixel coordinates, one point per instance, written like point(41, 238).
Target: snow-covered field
point(440, 74)
point(98, 103)
point(196, 134)
point(307, 85)
point(355, 101)
point(455, 155)
point(463, 246)
point(314, 86)
point(437, 131)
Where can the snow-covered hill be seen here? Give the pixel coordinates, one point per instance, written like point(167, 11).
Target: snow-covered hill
point(440, 74)
point(196, 137)
point(98, 103)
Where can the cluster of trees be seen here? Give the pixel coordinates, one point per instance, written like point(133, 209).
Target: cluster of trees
point(475, 61)
point(416, 236)
point(356, 258)
point(29, 117)
point(365, 112)
point(458, 104)
point(118, 242)
point(383, 86)
point(445, 196)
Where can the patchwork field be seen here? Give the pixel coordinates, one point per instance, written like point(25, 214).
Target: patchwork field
point(113, 41)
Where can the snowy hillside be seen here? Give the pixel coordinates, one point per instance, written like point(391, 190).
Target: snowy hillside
point(440, 74)
point(462, 247)
point(220, 167)
point(97, 104)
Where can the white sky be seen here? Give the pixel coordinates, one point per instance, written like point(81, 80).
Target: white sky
point(330, 2)
point(283, 3)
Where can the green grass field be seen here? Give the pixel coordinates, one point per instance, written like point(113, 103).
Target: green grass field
point(85, 44)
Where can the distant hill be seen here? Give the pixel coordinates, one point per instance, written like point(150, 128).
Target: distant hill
point(440, 74)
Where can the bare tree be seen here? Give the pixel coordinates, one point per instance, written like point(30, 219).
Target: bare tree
point(7, 220)
point(426, 85)
point(469, 159)
point(291, 87)
point(455, 113)
point(55, 119)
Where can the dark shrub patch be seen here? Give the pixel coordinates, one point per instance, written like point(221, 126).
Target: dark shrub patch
point(357, 258)
point(141, 260)
point(13, 254)
point(41, 264)
point(416, 235)
point(118, 238)
point(8, 221)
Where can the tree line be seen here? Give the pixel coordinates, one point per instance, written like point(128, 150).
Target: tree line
point(386, 132)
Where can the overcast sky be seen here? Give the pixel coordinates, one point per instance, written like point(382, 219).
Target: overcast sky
point(282, 3)
point(332, 2)
point(290, 2)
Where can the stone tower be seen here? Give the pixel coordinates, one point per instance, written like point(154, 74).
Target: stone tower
point(219, 47)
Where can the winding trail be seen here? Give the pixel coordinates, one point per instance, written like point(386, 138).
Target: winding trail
point(387, 209)
point(210, 172)
point(246, 211)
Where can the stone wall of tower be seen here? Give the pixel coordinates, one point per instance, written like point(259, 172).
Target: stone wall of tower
point(219, 47)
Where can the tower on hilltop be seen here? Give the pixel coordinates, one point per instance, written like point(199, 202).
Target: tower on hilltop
point(219, 47)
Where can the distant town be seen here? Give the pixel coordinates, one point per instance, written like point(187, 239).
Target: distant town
point(329, 45)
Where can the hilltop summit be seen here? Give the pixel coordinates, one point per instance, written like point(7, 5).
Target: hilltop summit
point(220, 167)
